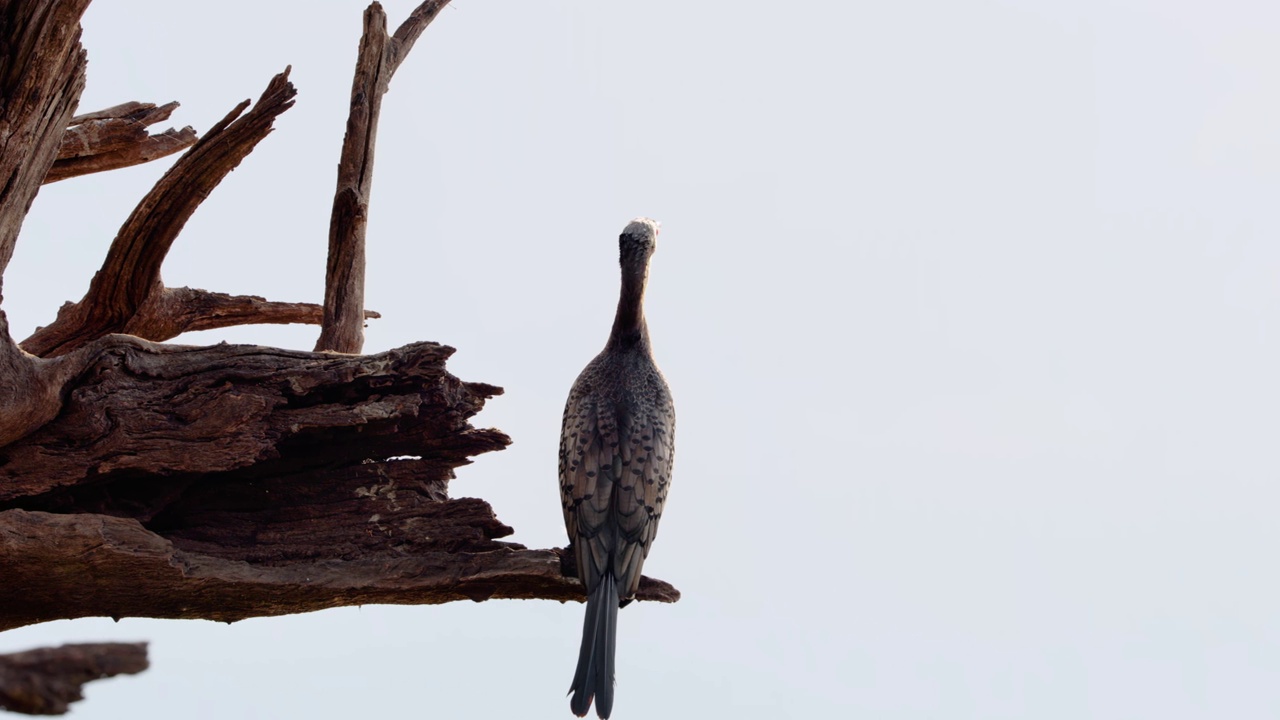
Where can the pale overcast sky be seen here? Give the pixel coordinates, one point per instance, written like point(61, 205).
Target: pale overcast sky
point(969, 310)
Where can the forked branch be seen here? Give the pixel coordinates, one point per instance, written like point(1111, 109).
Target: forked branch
point(377, 60)
point(120, 297)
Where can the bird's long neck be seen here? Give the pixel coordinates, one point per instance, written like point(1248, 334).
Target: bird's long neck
point(629, 328)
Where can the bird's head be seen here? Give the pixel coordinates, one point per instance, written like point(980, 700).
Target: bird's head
point(639, 238)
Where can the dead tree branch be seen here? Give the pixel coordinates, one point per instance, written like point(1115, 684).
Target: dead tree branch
point(164, 410)
point(117, 567)
point(173, 311)
point(378, 59)
point(46, 681)
point(117, 137)
point(119, 292)
point(235, 481)
point(41, 77)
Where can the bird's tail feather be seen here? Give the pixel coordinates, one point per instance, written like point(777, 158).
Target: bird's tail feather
point(594, 677)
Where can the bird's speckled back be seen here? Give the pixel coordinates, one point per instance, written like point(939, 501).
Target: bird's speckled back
point(617, 446)
point(617, 449)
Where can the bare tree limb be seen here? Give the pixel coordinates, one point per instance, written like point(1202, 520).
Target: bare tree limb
point(111, 129)
point(131, 271)
point(97, 564)
point(230, 481)
point(144, 150)
point(377, 60)
point(117, 137)
point(46, 681)
point(173, 311)
point(41, 78)
point(409, 31)
point(166, 410)
point(124, 109)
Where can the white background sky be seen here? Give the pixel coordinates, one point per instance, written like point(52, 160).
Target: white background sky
point(969, 310)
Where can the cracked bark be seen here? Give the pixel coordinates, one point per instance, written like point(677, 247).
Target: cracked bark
point(127, 294)
point(117, 137)
point(378, 58)
point(235, 481)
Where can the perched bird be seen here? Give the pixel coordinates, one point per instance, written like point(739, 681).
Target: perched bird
point(616, 450)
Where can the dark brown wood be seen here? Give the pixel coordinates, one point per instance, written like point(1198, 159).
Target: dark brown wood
point(117, 137)
point(46, 681)
point(101, 565)
point(139, 409)
point(145, 149)
point(377, 59)
point(131, 272)
point(173, 311)
point(42, 73)
point(112, 128)
point(124, 109)
point(235, 481)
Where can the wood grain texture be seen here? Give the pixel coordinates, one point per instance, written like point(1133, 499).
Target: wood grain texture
point(139, 409)
point(131, 272)
point(235, 481)
point(111, 129)
point(117, 137)
point(47, 680)
point(224, 482)
point(173, 311)
point(42, 73)
point(95, 565)
point(377, 59)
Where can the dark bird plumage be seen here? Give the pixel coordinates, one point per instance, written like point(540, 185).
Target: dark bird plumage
point(617, 444)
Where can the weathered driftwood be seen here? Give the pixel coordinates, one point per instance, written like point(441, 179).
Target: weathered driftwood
point(117, 137)
point(48, 680)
